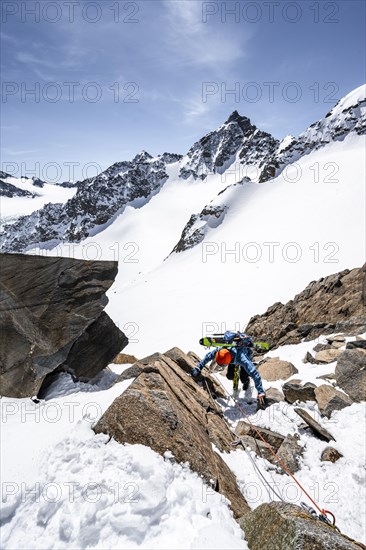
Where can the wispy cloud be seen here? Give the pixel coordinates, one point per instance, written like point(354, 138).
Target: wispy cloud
point(196, 42)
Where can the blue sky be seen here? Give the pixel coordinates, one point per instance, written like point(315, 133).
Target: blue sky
point(173, 64)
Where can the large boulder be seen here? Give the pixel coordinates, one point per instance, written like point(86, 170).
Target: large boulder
point(351, 373)
point(275, 369)
point(329, 399)
point(168, 411)
point(327, 355)
point(52, 319)
point(282, 526)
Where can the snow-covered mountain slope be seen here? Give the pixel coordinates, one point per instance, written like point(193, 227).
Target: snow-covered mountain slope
point(236, 142)
point(94, 204)
point(275, 239)
point(22, 196)
point(348, 115)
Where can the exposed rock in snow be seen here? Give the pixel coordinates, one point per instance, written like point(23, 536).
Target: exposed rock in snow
point(348, 115)
point(329, 399)
point(351, 373)
point(10, 190)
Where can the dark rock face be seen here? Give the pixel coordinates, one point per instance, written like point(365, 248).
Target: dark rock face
point(282, 526)
point(335, 126)
point(351, 373)
point(236, 138)
point(52, 318)
point(176, 414)
point(331, 304)
point(94, 204)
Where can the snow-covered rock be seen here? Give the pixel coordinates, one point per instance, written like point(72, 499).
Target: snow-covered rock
point(236, 141)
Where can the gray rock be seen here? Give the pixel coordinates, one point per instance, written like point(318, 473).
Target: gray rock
point(194, 356)
point(298, 392)
point(330, 454)
point(327, 355)
point(351, 373)
point(274, 369)
point(329, 399)
point(51, 319)
point(273, 395)
point(330, 376)
point(290, 452)
point(258, 447)
point(309, 358)
point(273, 438)
point(321, 347)
point(282, 526)
point(356, 344)
point(336, 338)
point(316, 428)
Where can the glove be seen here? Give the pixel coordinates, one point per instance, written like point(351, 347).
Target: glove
point(262, 401)
point(195, 372)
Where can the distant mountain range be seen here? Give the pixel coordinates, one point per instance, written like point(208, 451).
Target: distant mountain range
point(255, 155)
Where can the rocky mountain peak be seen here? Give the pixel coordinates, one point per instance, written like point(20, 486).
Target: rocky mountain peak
point(235, 141)
point(144, 156)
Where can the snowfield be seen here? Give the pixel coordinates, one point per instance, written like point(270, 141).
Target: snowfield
point(11, 208)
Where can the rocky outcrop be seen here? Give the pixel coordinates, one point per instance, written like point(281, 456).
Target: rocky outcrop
point(351, 373)
point(52, 318)
point(331, 304)
point(178, 415)
point(282, 526)
point(275, 369)
point(329, 399)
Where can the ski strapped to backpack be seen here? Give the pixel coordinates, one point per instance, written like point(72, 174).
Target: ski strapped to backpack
point(231, 339)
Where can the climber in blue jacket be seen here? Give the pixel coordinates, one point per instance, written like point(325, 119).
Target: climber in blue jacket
point(235, 356)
